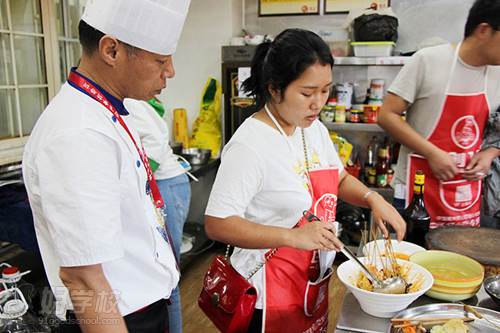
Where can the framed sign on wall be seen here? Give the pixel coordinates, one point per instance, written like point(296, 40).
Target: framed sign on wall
point(344, 6)
point(288, 7)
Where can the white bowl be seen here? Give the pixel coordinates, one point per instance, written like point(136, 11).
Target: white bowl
point(383, 305)
point(402, 250)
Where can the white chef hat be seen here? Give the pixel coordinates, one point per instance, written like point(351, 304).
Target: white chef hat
point(151, 25)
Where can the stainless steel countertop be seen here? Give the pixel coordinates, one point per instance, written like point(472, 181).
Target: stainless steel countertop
point(353, 319)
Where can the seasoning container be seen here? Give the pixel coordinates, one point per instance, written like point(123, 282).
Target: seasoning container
point(344, 94)
point(390, 176)
point(327, 114)
point(332, 102)
point(340, 114)
point(371, 113)
point(355, 116)
point(377, 89)
point(372, 176)
point(382, 167)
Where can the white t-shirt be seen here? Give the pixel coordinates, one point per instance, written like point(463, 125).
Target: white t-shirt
point(87, 190)
point(422, 83)
point(154, 134)
point(261, 178)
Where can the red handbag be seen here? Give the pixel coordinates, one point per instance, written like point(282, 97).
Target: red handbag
point(227, 298)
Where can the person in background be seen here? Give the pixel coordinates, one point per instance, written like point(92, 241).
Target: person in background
point(97, 209)
point(147, 119)
point(448, 93)
point(280, 164)
point(481, 162)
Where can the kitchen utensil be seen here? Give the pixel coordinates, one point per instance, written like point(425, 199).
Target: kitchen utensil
point(447, 310)
point(176, 147)
point(492, 287)
point(383, 305)
point(196, 156)
point(479, 315)
point(456, 277)
point(480, 244)
point(394, 285)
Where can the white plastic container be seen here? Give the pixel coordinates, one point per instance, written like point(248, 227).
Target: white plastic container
point(373, 49)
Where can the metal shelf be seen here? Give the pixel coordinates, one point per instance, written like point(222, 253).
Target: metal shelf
point(370, 61)
point(354, 127)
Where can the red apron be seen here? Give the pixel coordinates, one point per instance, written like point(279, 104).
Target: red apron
point(292, 303)
point(459, 131)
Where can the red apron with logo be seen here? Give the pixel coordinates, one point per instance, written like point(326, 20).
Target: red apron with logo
point(293, 303)
point(459, 131)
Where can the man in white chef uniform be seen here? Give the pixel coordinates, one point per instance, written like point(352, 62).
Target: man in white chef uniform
point(97, 209)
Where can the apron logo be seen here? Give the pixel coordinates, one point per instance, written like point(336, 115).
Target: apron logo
point(328, 203)
point(459, 195)
point(465, 132)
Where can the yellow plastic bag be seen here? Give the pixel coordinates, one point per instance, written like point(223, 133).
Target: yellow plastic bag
point(180, 127)
point(344, 148)
point(207, 128)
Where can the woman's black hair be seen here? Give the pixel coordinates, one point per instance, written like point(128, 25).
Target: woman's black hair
point(279, 63)
point(483, 11)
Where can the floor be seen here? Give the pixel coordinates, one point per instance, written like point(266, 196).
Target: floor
point(195, 321)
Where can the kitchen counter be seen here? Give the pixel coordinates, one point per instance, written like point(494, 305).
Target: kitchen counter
point(352, 319)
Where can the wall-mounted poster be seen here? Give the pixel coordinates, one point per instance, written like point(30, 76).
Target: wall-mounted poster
point(288, 7)
point(344, 6)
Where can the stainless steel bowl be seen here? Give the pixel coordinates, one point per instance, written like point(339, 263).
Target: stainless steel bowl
point(176, 147)
point(196, 156)
point(492, 287)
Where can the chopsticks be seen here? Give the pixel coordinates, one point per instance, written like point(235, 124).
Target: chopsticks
point(477, 314)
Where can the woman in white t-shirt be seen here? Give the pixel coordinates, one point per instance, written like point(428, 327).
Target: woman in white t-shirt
point(279, 164)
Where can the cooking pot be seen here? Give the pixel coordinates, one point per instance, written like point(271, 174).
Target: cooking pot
point(196, 156)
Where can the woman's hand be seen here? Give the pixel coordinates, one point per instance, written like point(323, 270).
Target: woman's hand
point(383, 212)
point(315, 235)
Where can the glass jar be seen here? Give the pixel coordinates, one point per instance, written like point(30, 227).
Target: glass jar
point(371, 113)
point(355, 116)
point(327, 114)
point(340, 114)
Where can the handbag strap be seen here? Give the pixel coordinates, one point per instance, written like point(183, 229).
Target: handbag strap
point(259, 266)
point(273, 251)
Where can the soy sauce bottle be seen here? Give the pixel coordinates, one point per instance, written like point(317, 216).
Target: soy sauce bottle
point(416, 216)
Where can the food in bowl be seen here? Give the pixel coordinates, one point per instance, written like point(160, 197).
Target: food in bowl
point(383, 305)
point(400, 255)
point(383, 252)
point(402, 250)
point(392, 270)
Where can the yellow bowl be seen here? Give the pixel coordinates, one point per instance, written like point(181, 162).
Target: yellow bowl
point(456, 277)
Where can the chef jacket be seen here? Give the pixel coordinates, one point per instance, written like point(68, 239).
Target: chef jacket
point(87, 189)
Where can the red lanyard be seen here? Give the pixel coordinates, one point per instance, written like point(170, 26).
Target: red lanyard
point(95, 94)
